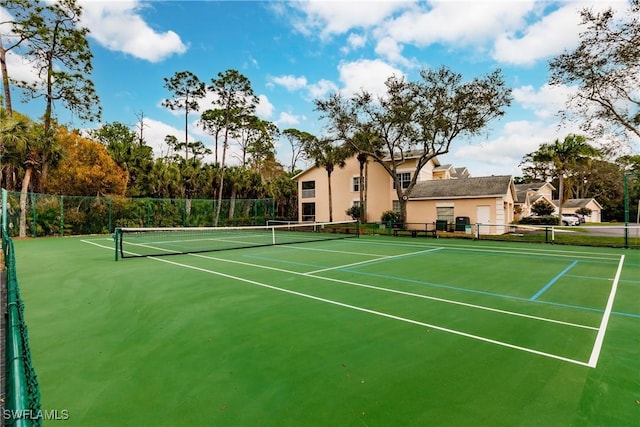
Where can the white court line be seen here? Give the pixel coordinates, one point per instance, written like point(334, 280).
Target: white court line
point(377, 313)
point(510, 251)
point(384, 258)
point(452, 331)
point(395, 291)
point(595, 354)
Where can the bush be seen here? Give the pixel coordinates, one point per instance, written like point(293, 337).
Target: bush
point(355, 212)
point(584, 211)
point(542, 208)
point(391, 216)
point(540, 220)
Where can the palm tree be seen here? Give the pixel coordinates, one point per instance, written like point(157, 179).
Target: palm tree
point(327, 156)
point(24, 144)
point(563, 157)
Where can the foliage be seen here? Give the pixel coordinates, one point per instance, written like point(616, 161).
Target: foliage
point(234, 100)
point(605, 67)
point(328, 156)
point(297, 140)
point(128, 151)
point(562, 159)
point(419, 118)
point(540, 220)
point(584, 211)
point(187, 89)
point(391, 216)
point(88, 169)
point(542, 208)
point(57, 47)
point(355, 212)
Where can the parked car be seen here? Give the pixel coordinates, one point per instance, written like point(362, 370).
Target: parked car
point(570, 219)
point(579, 216)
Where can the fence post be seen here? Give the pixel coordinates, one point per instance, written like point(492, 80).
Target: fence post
point(62, 215)
point(34, 227)
point(110, 203)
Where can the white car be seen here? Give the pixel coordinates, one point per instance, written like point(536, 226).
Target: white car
point(570, 220)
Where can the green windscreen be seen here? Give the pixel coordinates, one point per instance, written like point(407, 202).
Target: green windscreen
point(137, 242)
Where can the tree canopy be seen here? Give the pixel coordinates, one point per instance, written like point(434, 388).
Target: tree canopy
point(605, 69)
point(421, 118)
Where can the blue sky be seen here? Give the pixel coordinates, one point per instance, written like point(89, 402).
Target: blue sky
point(295, 52)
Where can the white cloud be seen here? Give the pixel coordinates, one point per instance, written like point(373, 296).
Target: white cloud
point(545, 102)
point(468, 22)
point(503, 153)
point(20, 68)
point(321, 88)
point(356, 41)
point(287, 119)
point(265, 107)
point(328, 18)
point(548, 37)
point(118, 26)
point(289, 82)
point(155, 132)
point(391, 50)
point(366, 74)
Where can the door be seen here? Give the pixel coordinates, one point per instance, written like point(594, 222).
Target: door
point(483, 214)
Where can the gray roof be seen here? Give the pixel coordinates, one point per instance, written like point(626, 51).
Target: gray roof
point(575, 203)
point(522, 189)
point(410, 154)
point(462, 188)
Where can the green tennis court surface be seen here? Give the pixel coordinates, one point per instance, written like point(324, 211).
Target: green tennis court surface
point(374, 331)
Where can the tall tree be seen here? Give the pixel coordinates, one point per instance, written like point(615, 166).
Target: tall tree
point(562, 157)
point(213, 121)
point(18, 12)
point(88, 169)
point(128, 151)
point(605, 68)
point(187, 89)
point(235, 99)
point(328, 156)
point(58, 48)
point(422, 117)
point(297, 140)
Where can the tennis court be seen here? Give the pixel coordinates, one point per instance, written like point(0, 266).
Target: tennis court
point(374, 331)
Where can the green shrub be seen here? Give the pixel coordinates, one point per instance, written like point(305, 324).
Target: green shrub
point(391, 216)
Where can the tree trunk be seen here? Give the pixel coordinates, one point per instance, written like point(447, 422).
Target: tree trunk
point(330, 198)
point(363, 216)
point(5, 81)
point(232, 203)
point(560, 195)
point(23, 202)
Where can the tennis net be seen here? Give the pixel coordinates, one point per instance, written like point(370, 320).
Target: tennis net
point(141, 242)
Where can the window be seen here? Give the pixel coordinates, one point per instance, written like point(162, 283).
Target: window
point(396, 206)
point(404, 178)
point(308, 212)
point(355, 185)
point(445, 214)
point(308, 189)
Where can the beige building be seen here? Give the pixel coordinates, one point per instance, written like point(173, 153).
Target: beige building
point(528, 194)
point(442, 194)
